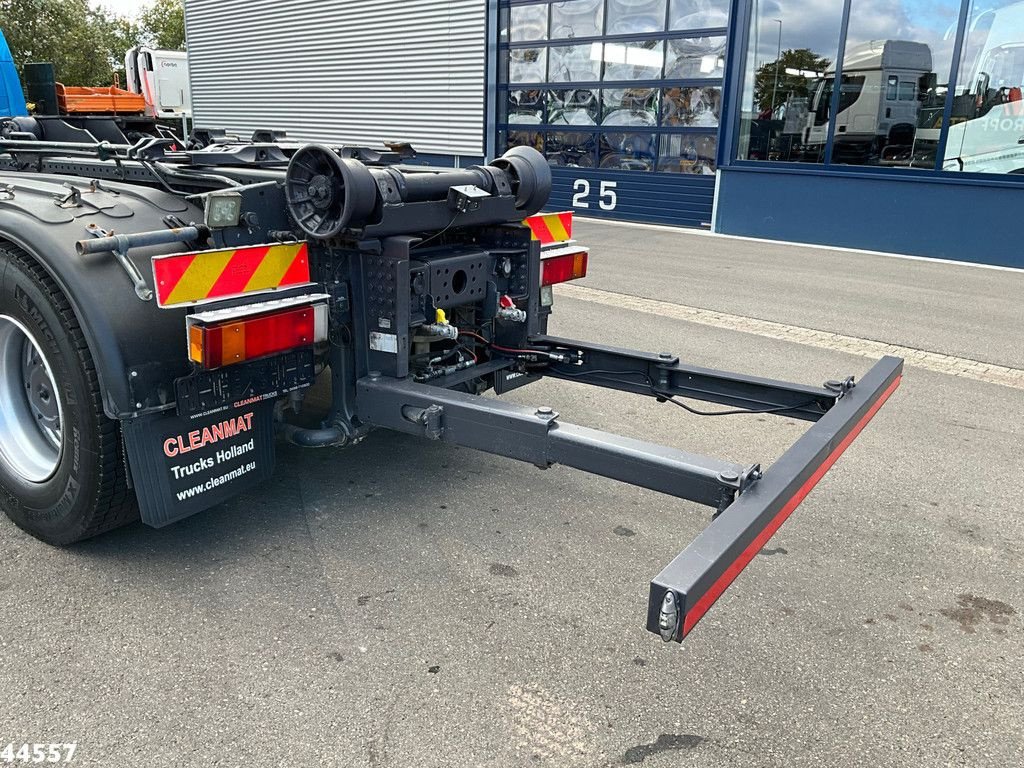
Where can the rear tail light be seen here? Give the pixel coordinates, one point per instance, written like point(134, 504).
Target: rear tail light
point(562, 267)
point(215, 342)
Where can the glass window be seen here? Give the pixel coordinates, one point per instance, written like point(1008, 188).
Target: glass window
point(988, 105)
point(688, 153)
point(573, 106)
point(527, 65)
point(529, 22)
point(695, 58)
point(636, 107)
point(575, 63)
point(503, 15)
point(575, 149)
point(628, 151)
point(578, 18)
point(905, 41)
point(524, 107)
point(601, 78)
point(642, 60)
point(691, 107)
point(698, 14)
point(786, 99)
point(635, 17)
point(523, 139)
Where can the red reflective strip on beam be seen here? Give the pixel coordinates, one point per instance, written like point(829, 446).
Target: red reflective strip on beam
point(168, 272)
point(237, 272)
point(298, 272)
point(708, 599)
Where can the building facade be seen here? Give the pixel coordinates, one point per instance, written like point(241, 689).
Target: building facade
point(715, 114)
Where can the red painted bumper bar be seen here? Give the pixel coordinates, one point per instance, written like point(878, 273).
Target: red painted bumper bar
point(684, 591)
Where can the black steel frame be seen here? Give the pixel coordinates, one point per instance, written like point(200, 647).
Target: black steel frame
point(750, 503)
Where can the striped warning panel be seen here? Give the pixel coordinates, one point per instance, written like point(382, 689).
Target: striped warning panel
point(191, 278)
point(550, 227)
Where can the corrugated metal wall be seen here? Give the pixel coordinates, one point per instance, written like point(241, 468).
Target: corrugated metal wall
point(353, 71)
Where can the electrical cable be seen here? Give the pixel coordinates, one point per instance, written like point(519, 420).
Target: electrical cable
point(509, 350)
point(611, 376)
point(447, 226)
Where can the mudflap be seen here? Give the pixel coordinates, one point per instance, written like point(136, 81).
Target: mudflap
point(182, 465)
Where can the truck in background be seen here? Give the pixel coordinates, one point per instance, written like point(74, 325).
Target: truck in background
point(156, 103)
point(161, 77)
point(987, 122)
point(12, 98)
point(879, 101)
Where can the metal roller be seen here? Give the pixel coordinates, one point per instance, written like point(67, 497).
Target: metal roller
point(327, 194)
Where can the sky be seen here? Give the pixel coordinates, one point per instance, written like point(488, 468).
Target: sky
point(814, 24)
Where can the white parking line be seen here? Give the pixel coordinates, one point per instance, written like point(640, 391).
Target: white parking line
point(935, 260)
point(836, 342)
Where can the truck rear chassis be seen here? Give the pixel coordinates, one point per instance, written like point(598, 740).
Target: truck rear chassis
point(380, 296)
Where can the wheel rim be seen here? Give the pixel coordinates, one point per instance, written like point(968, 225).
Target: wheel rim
point(31, 416)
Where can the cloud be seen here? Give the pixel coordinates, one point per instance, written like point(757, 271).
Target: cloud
point(815, 24)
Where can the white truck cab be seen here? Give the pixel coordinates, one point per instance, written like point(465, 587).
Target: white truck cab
point(878, 100)
point(986, 133)
point(162, 78)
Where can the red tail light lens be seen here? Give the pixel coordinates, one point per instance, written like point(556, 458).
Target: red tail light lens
point(563, 267)
point(218, 344)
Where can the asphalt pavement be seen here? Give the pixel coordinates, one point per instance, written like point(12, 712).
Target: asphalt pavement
point(409, 604)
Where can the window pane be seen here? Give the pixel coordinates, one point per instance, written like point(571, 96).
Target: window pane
point(988, 107)
point(693, 107)
point(576, 63)
point(579, 18)
point(635, 107)
point(522, 139)
point(786, 97)
point(688, 153)
point(573, 106)
point(527, 65)
point(503, 18)
point(572, 149)
point(696, 58)
point(896, 56)
point(698, 14)
point(628, 151)
point(529, 22)
point(641, 60)
point(525, 107)
point(635, 17)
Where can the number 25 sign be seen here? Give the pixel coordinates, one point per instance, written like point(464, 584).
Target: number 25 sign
point(607, 198)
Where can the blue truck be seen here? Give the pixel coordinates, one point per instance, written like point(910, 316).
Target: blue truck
point(12, 99)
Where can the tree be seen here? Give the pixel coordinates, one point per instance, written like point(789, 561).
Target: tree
point(86, 45)
point(163, 24)
point(798, 85)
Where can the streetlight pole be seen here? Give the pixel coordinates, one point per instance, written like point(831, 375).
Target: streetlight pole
point(778, 57)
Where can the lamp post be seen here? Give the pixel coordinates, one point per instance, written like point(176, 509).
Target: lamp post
point(778, 56)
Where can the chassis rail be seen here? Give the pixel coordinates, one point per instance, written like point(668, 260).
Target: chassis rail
point(751, 504)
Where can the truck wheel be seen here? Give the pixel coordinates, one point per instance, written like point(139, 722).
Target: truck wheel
point(62, 475)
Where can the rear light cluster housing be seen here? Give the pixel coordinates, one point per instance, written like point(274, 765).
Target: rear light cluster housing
point(229, 336)
point(563, 264)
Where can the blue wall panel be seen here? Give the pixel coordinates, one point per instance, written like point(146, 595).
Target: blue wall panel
point(916, 214)
point(662, 198)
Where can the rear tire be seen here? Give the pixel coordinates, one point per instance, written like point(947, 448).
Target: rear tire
point(62, 471)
